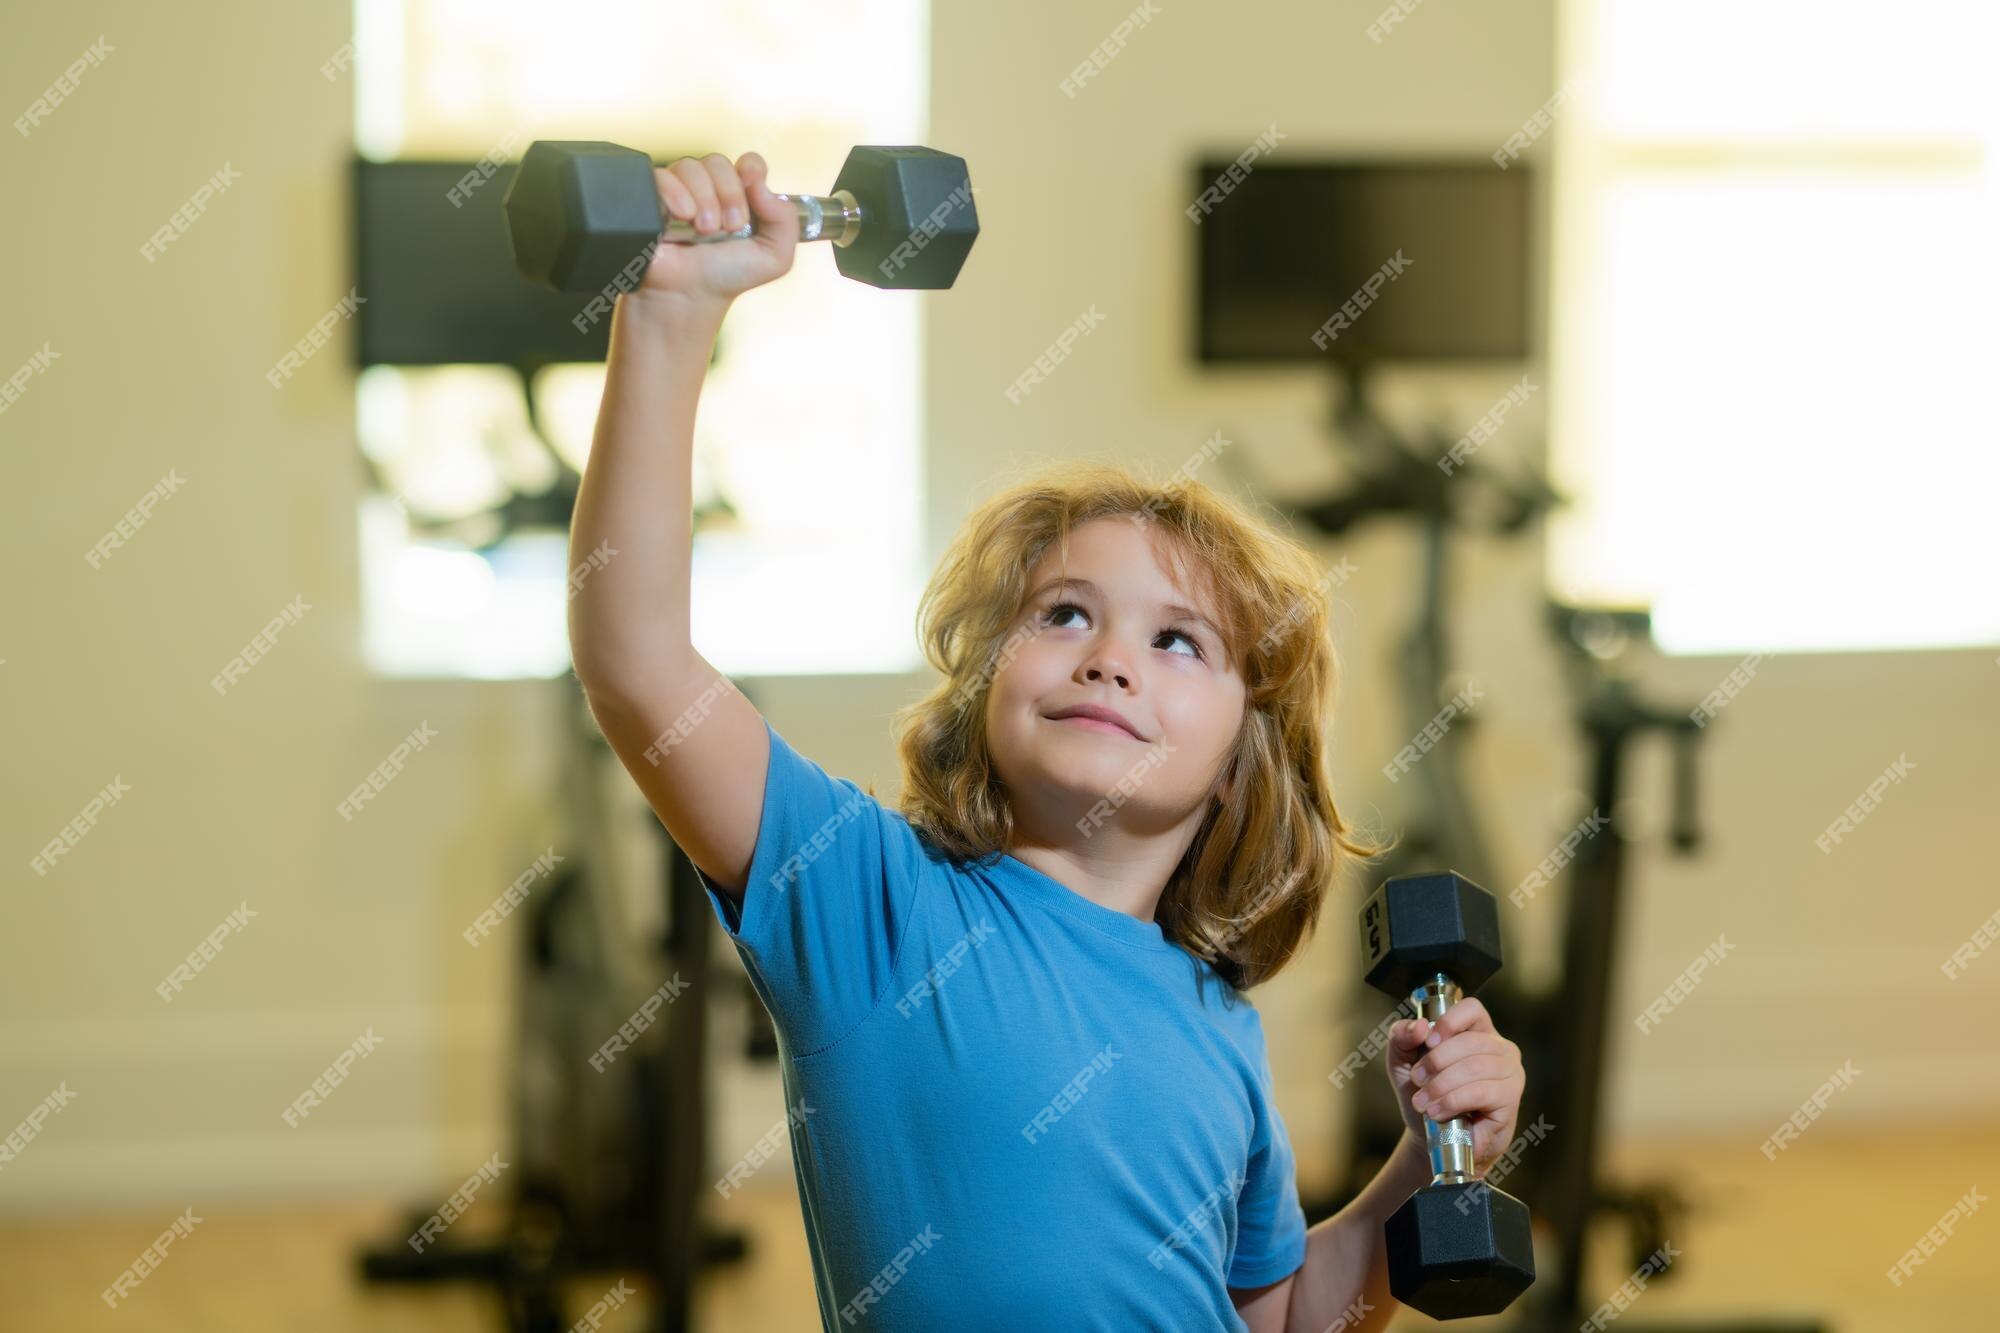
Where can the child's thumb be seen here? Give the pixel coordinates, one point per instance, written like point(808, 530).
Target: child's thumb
point(1407, 1037)
point(764, 201)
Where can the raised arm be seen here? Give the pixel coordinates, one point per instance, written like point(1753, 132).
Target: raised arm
point(693, 743)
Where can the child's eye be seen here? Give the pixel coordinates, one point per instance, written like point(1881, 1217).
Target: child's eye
point(1049, 618)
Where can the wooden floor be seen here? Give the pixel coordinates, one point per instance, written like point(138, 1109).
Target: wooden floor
point(1812, 1233)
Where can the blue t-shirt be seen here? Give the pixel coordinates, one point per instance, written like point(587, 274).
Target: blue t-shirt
point(1010, 1107)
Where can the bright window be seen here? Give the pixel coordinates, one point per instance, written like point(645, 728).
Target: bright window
point(806, 442)
point(1773, 322)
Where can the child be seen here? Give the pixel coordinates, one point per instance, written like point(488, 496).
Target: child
point(1024, 1088)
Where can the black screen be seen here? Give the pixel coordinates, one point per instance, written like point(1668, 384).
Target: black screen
point(1281, 252)
point(440, 281)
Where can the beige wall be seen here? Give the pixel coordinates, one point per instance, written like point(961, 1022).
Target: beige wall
point(232, 798)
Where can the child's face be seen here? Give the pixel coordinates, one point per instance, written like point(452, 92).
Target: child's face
point(1108, 638)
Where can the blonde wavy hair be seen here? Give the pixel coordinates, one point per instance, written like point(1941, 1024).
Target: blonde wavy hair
point(1247, 893)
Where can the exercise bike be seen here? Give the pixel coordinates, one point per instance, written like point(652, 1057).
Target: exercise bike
point(606, 1161)
point(1561, 1030)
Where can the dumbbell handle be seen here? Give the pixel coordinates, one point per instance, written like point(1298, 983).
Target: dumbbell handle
point(835, 217)
point(1449, 1141)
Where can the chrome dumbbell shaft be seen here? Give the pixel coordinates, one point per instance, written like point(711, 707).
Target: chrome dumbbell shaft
point(835, 217)
point(1449, 1141)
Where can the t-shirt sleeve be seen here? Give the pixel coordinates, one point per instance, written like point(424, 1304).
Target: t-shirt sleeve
point(832, 883)
point(1270, 1223)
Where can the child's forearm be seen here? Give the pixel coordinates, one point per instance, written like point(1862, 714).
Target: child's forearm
point(1346, 1272)
point(628, 617)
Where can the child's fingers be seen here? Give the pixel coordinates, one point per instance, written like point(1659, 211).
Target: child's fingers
point(728, 191)
point(1472, 1069)
point(1465, 1016)
point(674, 193)
point(1489, 1139)
point(1406, 1038)
point(763, 200)
point(692, 174)
point(1434, 1061)
point(1483, 1095)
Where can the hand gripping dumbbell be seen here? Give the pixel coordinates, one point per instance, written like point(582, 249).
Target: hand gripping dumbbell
point(581, 213)
point(1456, 1247)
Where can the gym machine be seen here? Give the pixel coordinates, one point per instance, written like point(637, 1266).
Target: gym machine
point(606, 1165)
point(1440, 829)
point(1562, 1030)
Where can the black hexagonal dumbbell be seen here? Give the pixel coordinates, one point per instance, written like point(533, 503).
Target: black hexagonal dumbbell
point(582, 213)
point(1457, 1247)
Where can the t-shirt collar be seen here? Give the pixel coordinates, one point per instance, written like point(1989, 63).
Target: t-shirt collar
point(1021, 878)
